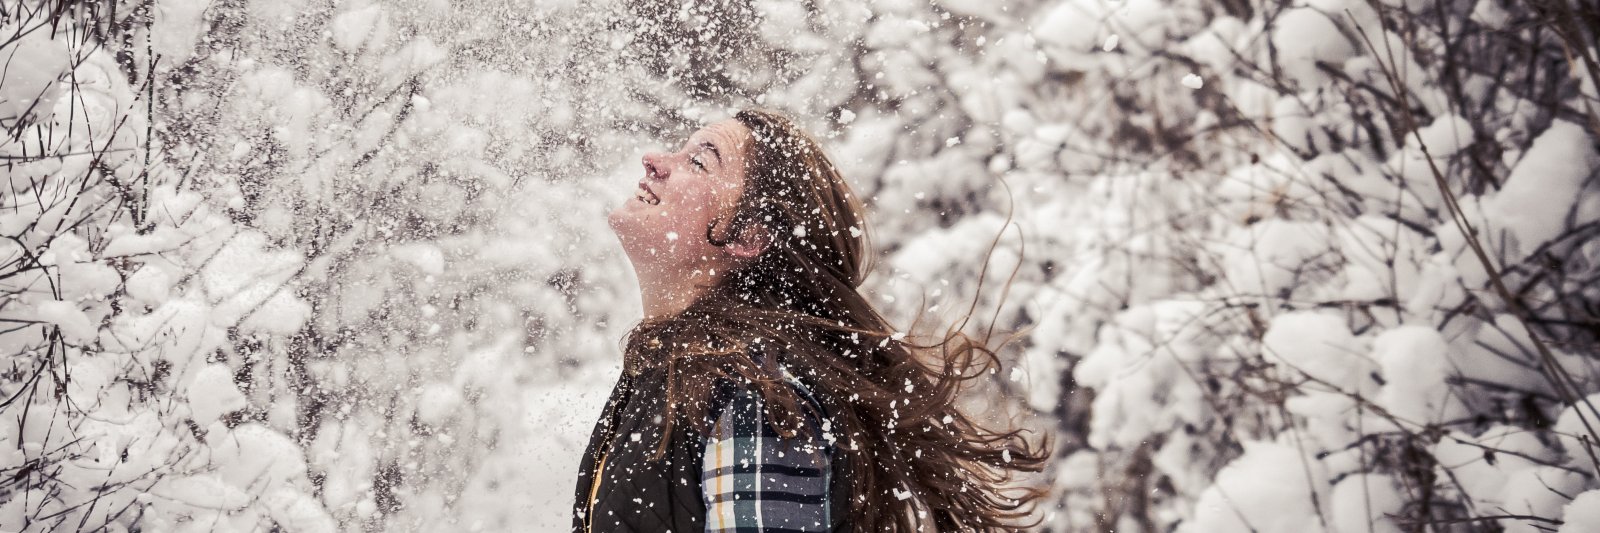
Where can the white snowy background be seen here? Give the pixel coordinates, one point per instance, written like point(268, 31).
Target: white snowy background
point(1286, 266)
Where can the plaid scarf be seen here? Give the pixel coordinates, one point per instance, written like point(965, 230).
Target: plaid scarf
point(755, 481)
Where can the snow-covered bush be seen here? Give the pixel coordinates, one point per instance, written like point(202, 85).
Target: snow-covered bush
point(120, 292)
point(1384, 248)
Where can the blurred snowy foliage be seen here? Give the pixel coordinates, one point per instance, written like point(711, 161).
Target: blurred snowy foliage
point(1309, 265)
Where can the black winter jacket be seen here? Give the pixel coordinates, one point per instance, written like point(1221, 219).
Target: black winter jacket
point(635, 493)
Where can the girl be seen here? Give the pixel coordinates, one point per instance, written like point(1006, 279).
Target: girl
point(762, 392)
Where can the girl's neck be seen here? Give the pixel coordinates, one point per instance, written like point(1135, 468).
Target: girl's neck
point(667, 297)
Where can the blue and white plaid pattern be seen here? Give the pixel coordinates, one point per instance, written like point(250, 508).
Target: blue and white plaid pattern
point(755, 481)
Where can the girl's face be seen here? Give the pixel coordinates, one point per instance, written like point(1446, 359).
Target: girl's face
point(662, 225)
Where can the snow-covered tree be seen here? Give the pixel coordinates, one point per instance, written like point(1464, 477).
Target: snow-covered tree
point(120, 290)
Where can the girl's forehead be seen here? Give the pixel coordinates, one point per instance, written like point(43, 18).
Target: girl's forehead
point(728, 135)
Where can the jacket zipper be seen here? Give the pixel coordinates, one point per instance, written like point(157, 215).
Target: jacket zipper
point(605, 450)
point(594, 492)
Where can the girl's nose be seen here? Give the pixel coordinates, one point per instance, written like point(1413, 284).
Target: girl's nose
point(653, 167)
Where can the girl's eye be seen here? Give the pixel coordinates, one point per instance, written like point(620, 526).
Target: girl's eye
point(697, 162)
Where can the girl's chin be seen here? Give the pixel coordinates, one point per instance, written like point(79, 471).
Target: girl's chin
point(637, 228)
point(625, 223)
point(632, 208)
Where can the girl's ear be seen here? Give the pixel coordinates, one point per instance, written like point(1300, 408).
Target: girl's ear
point(752, 240)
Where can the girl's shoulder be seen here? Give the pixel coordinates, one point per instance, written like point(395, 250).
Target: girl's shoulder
point(740, 400)
point(800, 388)
point(770, 366)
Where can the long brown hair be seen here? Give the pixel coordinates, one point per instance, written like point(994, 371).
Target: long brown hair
point(911, 458)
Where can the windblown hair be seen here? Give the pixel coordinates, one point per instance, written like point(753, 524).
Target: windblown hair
point(891, 402)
